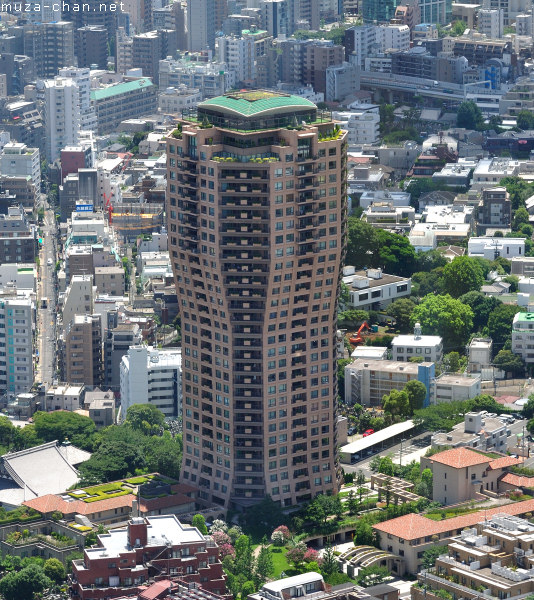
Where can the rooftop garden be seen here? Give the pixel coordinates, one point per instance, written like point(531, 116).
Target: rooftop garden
point(23, 513)
point(122, 488)
point(20, 538)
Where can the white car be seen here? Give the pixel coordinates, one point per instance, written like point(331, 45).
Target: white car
point(49, 262)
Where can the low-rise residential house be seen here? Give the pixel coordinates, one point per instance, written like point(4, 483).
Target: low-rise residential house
point(371, 289)
point(491, 248)
point(427, 347)
point(494, 209)
point(480, 353)
point(64, 397)
point(523, 265)
point(386, 216)
point(450, 387)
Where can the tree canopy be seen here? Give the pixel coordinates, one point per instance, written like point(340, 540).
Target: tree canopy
point(63, 425)
point(416, 391)
point(469, 115)
point(482, 306)
point(464, 274)
point(373, 248)
point(444, 316)
point(145, 417)
point(500, 324)
point(401, 310)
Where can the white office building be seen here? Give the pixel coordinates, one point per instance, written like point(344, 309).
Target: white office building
point(17, 160)
point(151, 376)
point(427, 347)
point(491, 248)
point(62, 115)
point(491, 22)
point(17, 316)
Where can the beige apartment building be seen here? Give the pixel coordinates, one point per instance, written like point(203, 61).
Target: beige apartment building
point(110, 280)
point(257, 208)
point(463, 474)
point(411, 535)
point(496, 555)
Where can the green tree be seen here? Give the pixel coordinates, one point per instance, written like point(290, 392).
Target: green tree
point(363, 533)
point(145, 418)
point(521, 217)
point(65, 425)
point(528, 408)
point(261, 518)
point(24, 584)
point(443, 415)
point(200, 523)
point(482, 306)
point(452, 362)
point(469, 115)
point(352, 317)
point(427, 283)
point(401, 310)
point(510, 363)
point(330, 564)
point(163, 454)
point(54, 569)
point(462, 275)
point(397, 403)
point(362, 244)
point(525, 119)
point(264, 565)
point(518, 189)
point(500, 324)
point(430, 555)
point(247, 588)
point(416, 391)
point(244, 558)
point(322, 507)
point(386, 466)
point(444, 316)
point(513, 280)
point(119, 454)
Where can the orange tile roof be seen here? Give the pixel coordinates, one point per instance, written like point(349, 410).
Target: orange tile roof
point(459, 458)
point(505, 461)
point(519, 480)
point(414, 526)
point(50, 503)
point(156, 590)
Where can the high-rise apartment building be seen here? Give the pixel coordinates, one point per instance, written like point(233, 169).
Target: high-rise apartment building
point(62, 115)
point(51, 45)
point(82, 350)
point(200, 24)
point(256, 207)
point(16, 340)
point(82, 77)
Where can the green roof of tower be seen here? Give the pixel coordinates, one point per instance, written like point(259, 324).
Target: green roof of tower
point(251, 103)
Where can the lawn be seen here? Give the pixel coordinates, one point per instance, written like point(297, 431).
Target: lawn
point(279, 561)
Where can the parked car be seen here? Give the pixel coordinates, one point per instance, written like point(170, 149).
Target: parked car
point(368, 432)
point(351, 431)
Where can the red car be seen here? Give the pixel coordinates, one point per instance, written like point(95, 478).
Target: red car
point(368, 432)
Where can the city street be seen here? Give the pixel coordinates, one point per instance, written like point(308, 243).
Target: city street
point(46, 342)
